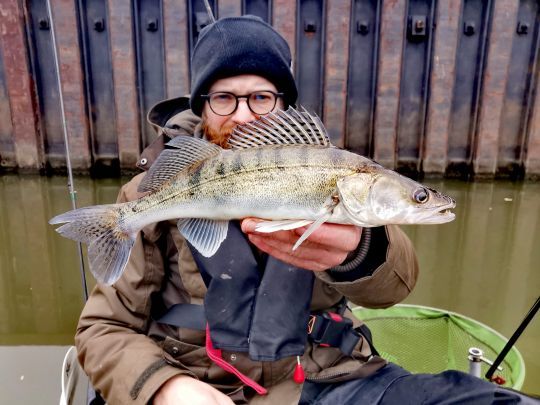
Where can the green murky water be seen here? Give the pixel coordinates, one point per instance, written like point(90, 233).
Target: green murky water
point(485, 264)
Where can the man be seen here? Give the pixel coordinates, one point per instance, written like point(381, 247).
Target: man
point(145, 338)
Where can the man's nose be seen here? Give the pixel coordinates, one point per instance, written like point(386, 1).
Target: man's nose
point(243, 114)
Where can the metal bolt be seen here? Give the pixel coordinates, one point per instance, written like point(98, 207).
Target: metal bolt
point(233, 357)
point(309, 26)
point(143, 161)
point(201, 20)
point(152, 25)
point(362, 27)
point(469, 28)
point(99, 24)
point(417, 28)
point(43, 24)
point(522, 28)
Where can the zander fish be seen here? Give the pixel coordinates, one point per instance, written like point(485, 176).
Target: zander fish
point(281, 168)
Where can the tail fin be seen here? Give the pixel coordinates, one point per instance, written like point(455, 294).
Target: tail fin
point(108, 245)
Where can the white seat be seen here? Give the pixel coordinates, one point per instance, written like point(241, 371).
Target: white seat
point(70, 375)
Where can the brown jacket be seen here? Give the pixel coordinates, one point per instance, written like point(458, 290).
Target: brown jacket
point(128, 355)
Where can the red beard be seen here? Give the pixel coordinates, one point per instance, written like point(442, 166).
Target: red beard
point(219, 137)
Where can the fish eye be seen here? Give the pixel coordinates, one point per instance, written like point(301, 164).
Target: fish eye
point(420, 195)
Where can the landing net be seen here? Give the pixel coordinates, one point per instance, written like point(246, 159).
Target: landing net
point(428, 340)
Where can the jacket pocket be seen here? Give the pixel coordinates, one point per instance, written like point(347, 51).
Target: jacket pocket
point(186, 356)
point(349, 369)
point(337, 367)
point(193, 358)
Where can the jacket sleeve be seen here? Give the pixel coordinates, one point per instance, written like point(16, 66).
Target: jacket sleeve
point(123, 363)
point(392, 279)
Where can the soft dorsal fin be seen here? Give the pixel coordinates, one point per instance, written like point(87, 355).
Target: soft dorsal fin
point(291, 127)
point(187, 151)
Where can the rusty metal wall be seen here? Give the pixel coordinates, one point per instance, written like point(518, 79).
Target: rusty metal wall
point(422, 86)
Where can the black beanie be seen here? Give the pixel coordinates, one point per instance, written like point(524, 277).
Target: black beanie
point(240, 45)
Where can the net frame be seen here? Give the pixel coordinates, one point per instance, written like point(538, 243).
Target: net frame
point(397, 329)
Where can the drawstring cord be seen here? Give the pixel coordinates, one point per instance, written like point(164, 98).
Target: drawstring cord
point(216, 356)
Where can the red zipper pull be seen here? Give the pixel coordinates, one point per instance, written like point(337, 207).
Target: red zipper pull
point(299, 376)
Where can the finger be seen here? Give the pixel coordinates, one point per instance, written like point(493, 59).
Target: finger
point(286, 258)
point(342, 237)
point(286, 237)
point(305, 256)
point(248, 224)
point(306, 250)
point(346, 237)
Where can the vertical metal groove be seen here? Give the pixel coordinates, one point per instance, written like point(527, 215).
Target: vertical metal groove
point(260, 8)
point(314, 102)
point(138, 64)
point(427, 85)
point(7, 150)
point(364, 28)
point(374, 64)
point(396, 150)
point(97, 63)
point(478, 89)
point(198, 17)
point(532, 88)
point(151, 74)
point(87, 76)
point(415, 45)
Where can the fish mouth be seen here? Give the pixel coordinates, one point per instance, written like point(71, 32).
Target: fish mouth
point(443, 213)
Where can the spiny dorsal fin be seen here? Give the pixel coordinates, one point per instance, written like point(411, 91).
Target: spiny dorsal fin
point(187, 152)
point(291, 127)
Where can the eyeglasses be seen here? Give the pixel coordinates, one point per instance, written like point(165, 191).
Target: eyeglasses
point(225, 103)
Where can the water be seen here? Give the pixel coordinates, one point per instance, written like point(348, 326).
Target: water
point(484, 265)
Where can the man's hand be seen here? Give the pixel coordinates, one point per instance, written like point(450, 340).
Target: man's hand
point(327, 247)
point(183, 389)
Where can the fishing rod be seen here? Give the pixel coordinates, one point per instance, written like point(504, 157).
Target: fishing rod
point(71, 187)
point(528, 318)
point(209, 11)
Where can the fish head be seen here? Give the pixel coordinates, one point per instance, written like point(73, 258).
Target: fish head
point(380, 197)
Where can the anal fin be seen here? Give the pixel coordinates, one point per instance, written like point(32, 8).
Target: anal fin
point(281, 225)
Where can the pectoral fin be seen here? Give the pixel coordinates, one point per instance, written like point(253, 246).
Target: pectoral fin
point(314, 226)
point(205, 235)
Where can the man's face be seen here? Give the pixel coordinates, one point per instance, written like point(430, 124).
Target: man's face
point(218, 128)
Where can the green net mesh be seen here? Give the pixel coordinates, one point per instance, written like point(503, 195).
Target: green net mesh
point(428, 340)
